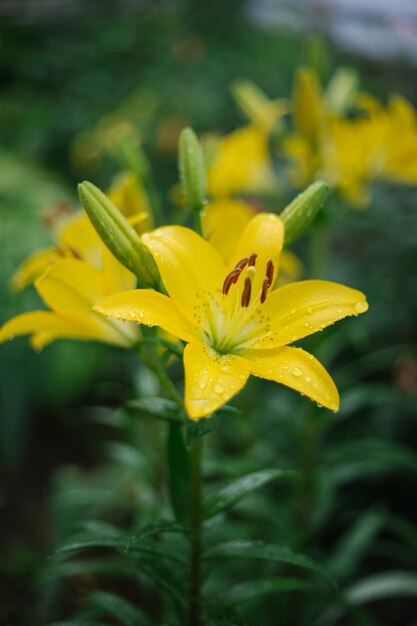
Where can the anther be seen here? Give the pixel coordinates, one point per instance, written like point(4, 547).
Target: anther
point(252, 259)
point(246, 293)
point(269, 272)
point(75, 253)
point(230, 280)
point(241, 264)
point(59, 251)
point(265, 287)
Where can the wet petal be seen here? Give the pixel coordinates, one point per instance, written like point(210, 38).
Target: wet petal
point(300, 309)
point(46, 326)
point(211, 379)
point(191, 269)
point(224, 221)
point(295, 368)
point(151, 308)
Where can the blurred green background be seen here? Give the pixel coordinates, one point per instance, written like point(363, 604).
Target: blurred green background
point(64, 454)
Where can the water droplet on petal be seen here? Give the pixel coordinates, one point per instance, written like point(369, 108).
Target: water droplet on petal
point(218, 388)
point(360, 307)
point(307, 379)
point(296, 371)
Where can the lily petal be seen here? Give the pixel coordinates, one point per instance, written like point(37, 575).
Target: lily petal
point(295, 368)
point(264, 236)
point(302, 308)
point(211, 379)
point(33, 267)
point(71, 285)
point(46, 326)
point(151, 308)
point(191, 269)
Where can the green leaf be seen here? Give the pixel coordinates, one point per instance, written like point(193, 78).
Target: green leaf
point(395, 584)
point(156, 407)
point(229, 495)
point(179, 473)
point(79, 622)
point(96, 535)
point(121, 608)
point(266, 551)
point(157, 549)
point(199, 428)
point(354, 544)
point(257, 589)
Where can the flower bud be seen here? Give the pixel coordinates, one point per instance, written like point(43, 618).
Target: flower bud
point(302, 210)
point(117, 234)
point(192, 171)
point(307, 103)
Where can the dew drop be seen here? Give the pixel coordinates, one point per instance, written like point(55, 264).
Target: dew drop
point(360, 307)
point(307, 379)
point(296, 371)
point(218, 388)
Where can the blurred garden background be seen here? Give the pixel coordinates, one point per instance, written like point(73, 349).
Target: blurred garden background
point(74, 75)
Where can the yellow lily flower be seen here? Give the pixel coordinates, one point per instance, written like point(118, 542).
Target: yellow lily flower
point(70, 288)
point(234, 322)
point(241, 163)
point(76, 237)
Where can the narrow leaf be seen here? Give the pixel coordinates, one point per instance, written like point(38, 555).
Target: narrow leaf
point(156, 407)
point(265, 551)
point(257, 589)
point(121, 608)
point(229, 495)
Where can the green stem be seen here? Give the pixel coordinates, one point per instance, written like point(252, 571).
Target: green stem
point(194, 615)
point(198, 222)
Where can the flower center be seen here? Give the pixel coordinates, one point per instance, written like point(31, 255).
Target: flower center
point(249, 263)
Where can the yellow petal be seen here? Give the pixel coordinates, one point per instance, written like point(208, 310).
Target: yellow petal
point(295, 368)
point(191, 269)
point(290, 268)
point(211, 379)
point(264, 235)
point(71, 285)
point(117, 276)
point(33, 267)
point(46, 326)
point(129, 196)
point(151, 308)
point(78, 237)
point(307, 103)
point(300, 309)
point(224, 222)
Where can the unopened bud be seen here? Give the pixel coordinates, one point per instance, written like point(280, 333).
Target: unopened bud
point(192, 171)
point(117, 234)
point(307, 103)
point(302, 210)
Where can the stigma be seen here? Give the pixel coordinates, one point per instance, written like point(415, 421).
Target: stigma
point(249, 265)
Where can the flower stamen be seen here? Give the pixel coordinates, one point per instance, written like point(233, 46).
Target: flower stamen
point(246, 293)
point(270, 272)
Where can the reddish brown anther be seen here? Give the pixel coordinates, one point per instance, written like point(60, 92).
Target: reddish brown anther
point(241, 264)
point(252, 259)
point(270, 272)
point(230, 280)
point(75, 253)
point(246, 293)
point(264, 293)
point(59, 251)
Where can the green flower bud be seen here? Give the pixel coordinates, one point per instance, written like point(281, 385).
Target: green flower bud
point(192, 171)
point(302, 210)
point(117, 234)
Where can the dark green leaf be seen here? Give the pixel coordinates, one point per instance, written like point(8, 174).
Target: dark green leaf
point(395, 584)
point(119, 607)
point(96, 534)
point(179, 473)
point(156, 407)
point(354, 544)
point(199, 428)
point(257, 589)
point(270, 552)
point(229, 495)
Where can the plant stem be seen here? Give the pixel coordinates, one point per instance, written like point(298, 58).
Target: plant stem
point(194, 616)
